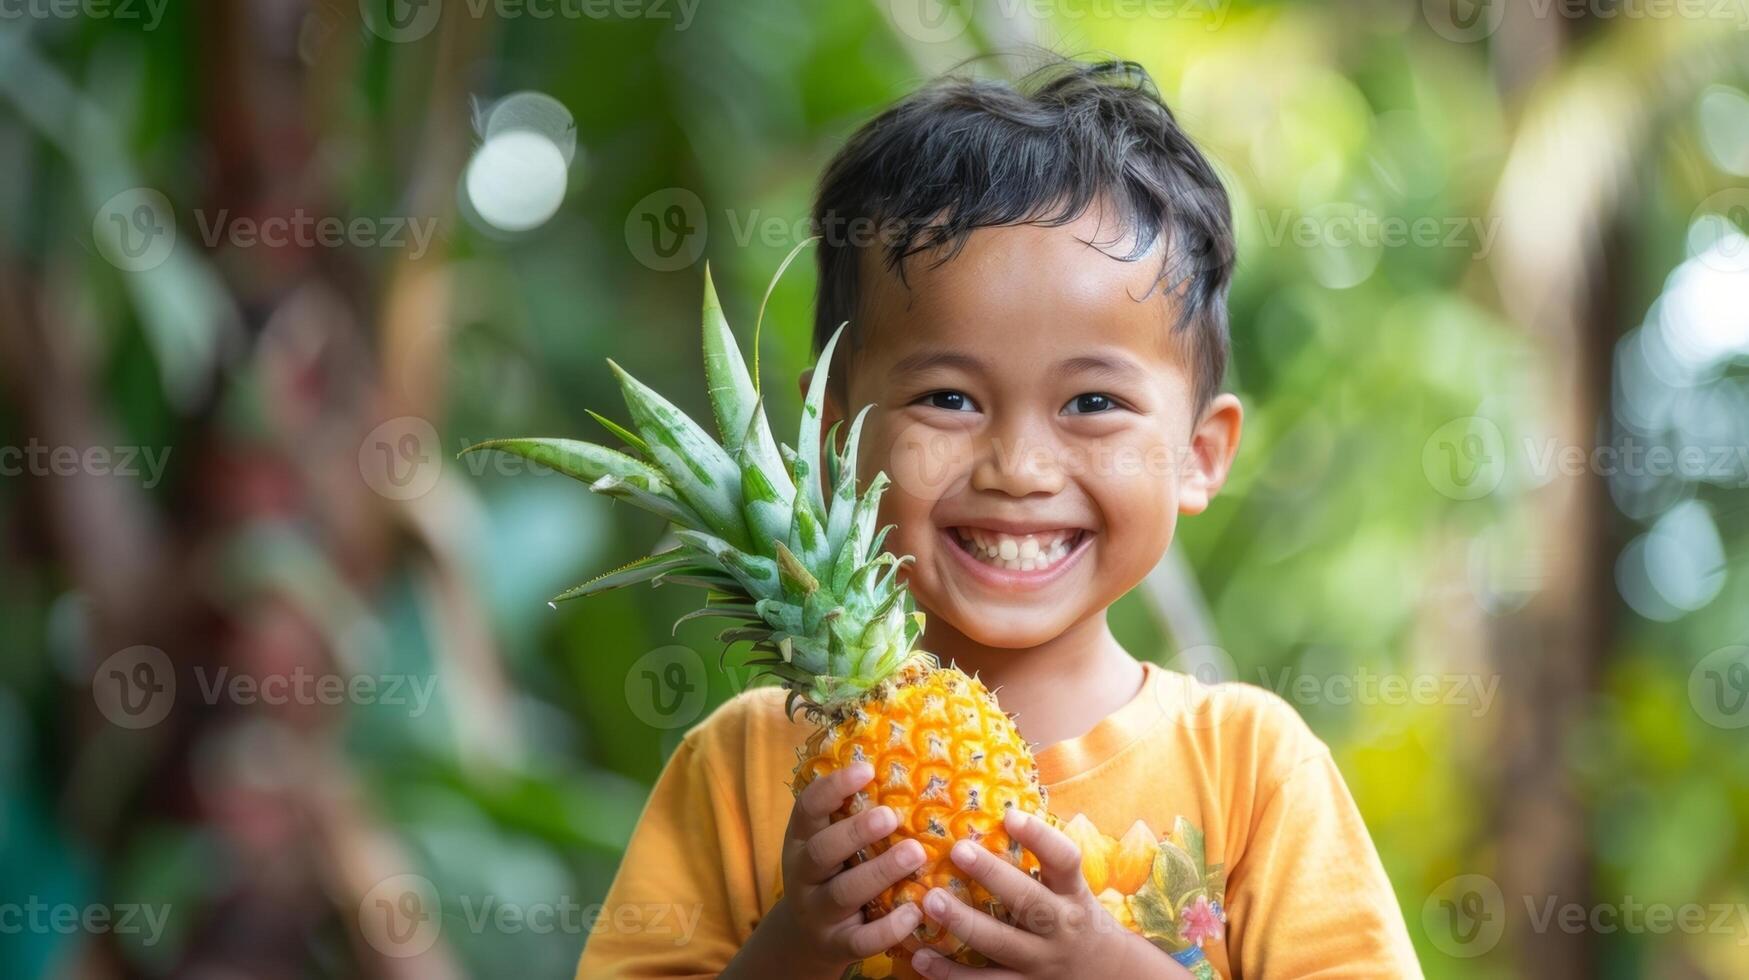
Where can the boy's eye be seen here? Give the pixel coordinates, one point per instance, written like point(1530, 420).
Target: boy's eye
point(1089, 404)
point(949, 401)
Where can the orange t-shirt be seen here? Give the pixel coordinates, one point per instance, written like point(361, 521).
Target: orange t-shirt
point(1250, 860)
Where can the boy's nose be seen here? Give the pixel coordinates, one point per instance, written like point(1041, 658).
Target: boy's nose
point(1018, 461)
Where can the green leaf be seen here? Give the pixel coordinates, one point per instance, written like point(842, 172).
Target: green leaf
point(760, 447)
point(1174, 880)
point(766, 504)
point(831, 455)
point(579, 460)
point(807, 539)
point(757, 575)
point(862, 520)
point(732, 397)
point(665, 507)
point(808, 439)
point(770, 288)
point(767, 515)
point(1192, 839)
point(794, 575)
point(844, 487)
point(621, 433)
point(631, 573)
point(700, 471)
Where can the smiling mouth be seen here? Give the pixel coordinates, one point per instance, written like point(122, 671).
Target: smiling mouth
point(1033, 552)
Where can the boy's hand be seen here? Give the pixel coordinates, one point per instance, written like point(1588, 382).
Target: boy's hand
point(819, 922)
point(1062, 929)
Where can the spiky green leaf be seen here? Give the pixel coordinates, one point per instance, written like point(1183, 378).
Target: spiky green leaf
point(844, 484)
point(756, 573)
point(701, 473)
point(766, 505)
point(621, 433)
point(731, 390)
point(631, 573)
point(796, 579)
point(807, 538)
point(579, 460)
point(771, 287)
point(665, 507)
point(808, 435)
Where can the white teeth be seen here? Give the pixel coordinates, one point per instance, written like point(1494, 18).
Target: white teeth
point(1025, 553)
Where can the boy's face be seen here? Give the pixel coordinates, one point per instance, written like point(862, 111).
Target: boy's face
point(1038, 423)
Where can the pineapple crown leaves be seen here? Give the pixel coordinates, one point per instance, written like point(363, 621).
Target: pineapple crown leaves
point(802, 577)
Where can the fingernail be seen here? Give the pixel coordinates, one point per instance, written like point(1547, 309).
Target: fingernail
point(862, 772)
point(965, 854)
point(911, 855)
point(1016, 818)
point(883, 821)
point(924, 961)
point(935, 903)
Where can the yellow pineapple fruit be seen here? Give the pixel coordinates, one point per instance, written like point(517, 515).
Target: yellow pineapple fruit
point(807, 583)
point(949, 763)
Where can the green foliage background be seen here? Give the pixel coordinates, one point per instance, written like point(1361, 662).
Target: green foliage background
point(1341, 546)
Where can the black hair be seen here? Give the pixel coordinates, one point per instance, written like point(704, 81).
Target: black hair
point(961, 154)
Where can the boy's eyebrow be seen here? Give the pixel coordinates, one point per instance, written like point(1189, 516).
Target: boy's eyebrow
point(1122, 367)
point(925, 359)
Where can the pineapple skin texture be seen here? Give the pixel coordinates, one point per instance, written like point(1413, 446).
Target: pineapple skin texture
point(950, 763)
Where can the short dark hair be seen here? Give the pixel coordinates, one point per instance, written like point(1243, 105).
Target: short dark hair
point(961, 154)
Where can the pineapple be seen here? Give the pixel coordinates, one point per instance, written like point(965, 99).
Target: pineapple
point(805, 580)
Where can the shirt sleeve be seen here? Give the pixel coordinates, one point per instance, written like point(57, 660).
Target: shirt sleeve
point(1309, 897)
point(681, 902)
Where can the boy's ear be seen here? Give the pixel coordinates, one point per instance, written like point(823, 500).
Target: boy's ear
point(1213, 443)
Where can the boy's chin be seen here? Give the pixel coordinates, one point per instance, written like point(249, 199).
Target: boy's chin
point(1009, 629)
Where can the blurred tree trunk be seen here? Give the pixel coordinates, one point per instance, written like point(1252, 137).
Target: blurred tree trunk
point(1562, 265)
point(1549, 652)
point(187, 573)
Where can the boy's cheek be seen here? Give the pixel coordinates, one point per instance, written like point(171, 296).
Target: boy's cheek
point(1140, 514)
point(925, 463)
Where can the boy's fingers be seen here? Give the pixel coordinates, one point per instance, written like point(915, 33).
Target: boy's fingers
point(814, 807)
point(1059, 860)
point(883, 933)
point(825, 853)
point(1013, 886)
point(938, 967)
point(851, 890)
point(997, 940)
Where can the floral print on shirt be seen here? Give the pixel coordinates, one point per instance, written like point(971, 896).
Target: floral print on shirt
point(1160, 887)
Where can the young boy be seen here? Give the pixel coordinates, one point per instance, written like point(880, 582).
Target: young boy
point(1040, 324)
